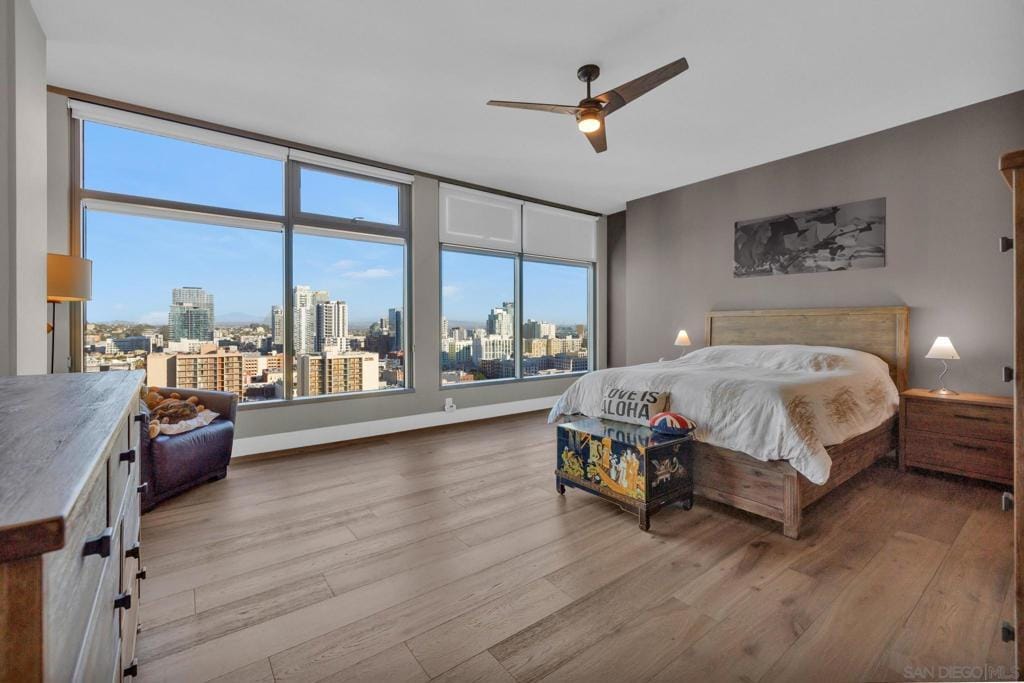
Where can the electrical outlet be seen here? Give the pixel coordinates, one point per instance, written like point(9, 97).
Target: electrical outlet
point(449, 405)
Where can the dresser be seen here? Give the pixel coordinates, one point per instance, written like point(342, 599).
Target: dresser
point(69, 526)
point(966, 434)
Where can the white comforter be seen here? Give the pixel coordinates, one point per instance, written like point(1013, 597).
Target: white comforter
point(771, 402)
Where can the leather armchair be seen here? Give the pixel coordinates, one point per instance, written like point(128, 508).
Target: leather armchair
point(175, 463)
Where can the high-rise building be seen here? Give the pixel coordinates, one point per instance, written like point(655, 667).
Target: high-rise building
point(191, 314)
point(492, 347)
point(331, 326)
point(395, 324)
point(444, 327)
point(501, 321)
point(331, 372)
point(215, 370)
point(304, 301)
point(535, 329)
point(277, 326)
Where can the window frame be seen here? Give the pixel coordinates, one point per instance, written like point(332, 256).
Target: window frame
point(591, 313)
point(80, 198)
point(520, 259)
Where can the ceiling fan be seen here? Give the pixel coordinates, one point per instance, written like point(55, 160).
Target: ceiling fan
point(591, 111)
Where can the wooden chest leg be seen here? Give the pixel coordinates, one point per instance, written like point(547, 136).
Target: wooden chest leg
point(559, 486)
point(645, 520)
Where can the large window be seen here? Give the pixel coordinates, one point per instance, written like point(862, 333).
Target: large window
point(479, 316)
point(556, 318)
point(478, 293)
point(204, 278)
point(348, 305)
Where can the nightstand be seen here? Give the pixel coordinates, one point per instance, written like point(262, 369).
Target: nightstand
point(966, 434)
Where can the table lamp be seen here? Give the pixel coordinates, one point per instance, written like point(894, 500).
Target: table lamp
point(682, 339)
point(943, 350)
point(68, 278)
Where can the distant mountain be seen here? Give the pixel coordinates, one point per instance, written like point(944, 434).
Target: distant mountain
point(227, 319)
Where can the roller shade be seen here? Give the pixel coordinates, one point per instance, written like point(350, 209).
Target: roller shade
point(558, 233)
point(148, 124)
point(480, 219)
point(349, 166)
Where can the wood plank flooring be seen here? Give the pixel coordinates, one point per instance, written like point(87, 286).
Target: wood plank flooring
point(446, 554)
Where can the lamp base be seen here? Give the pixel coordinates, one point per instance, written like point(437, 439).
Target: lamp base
point(945, 392)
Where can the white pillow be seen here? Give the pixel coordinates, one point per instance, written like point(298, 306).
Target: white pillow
point(634, 406)
point(201, 420)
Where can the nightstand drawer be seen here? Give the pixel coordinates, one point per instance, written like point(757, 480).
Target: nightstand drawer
point(979, 458)
point(960, 419)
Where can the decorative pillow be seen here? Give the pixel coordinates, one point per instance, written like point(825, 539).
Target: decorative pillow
point(201, 420)
point(672, 424)
point(635, 407)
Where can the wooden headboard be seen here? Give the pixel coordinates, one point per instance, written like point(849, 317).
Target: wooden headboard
point(883, 331)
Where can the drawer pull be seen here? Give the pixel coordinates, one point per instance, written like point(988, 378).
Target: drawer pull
point(1005, 244)
point(128, 456)
point(123, 600)
point(133, 551)
point(1007, 373)
point(133, 670)
point(971, 417)
point(139, 418)
point(98, 545)
point(968, 446)
point(142, 487)
point(141, 574)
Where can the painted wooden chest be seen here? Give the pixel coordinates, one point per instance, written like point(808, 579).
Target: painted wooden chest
point(627, 464)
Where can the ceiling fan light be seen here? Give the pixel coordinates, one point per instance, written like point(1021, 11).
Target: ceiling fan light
point(589, 122)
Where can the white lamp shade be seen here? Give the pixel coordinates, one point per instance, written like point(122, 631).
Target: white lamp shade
point(682, 339)
point(943, 349)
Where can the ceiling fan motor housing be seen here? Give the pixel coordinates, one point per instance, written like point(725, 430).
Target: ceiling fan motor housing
point(588, 72)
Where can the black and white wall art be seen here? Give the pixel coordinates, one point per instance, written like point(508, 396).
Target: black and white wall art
point(845, 237)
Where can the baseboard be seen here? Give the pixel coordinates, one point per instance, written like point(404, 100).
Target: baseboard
point(269, 443)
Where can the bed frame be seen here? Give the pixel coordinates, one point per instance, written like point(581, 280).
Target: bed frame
point(774, 489)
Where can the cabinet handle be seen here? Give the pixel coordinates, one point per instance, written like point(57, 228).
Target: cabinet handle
point(128, 456)
point(132, 670)
point(141, 574)
point(971, 417)
point(98, 545)
point(968, 446)
point(1007, 374)
point(133, 551)
point(1005, 244)
point(123, 600)
point(139, 418)
point(142, 487)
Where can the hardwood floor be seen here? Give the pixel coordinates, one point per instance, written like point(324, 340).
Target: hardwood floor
point(447, 554)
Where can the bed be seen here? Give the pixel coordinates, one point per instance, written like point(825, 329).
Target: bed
point(776, 489)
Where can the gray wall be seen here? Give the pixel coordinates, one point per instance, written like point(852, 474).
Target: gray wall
point(946, 206)
point(22, 190)
point(617, 288)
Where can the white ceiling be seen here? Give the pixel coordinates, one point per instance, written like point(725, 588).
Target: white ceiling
point(406, 82)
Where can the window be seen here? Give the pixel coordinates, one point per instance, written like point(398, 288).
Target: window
point(189, 302)
point(190, 240)
point(348, 304)
point(131, 162)
point(478, 293)
point(556, 318)
point(331, 193)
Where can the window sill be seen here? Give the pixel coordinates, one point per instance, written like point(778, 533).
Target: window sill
point(304, 400)
point(511, 380)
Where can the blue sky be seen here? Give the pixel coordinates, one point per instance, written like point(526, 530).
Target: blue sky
point(139, 260)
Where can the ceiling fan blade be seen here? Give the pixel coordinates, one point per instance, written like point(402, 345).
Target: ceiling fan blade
point(598, 139)
point(619, 97)
point(537, 106)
